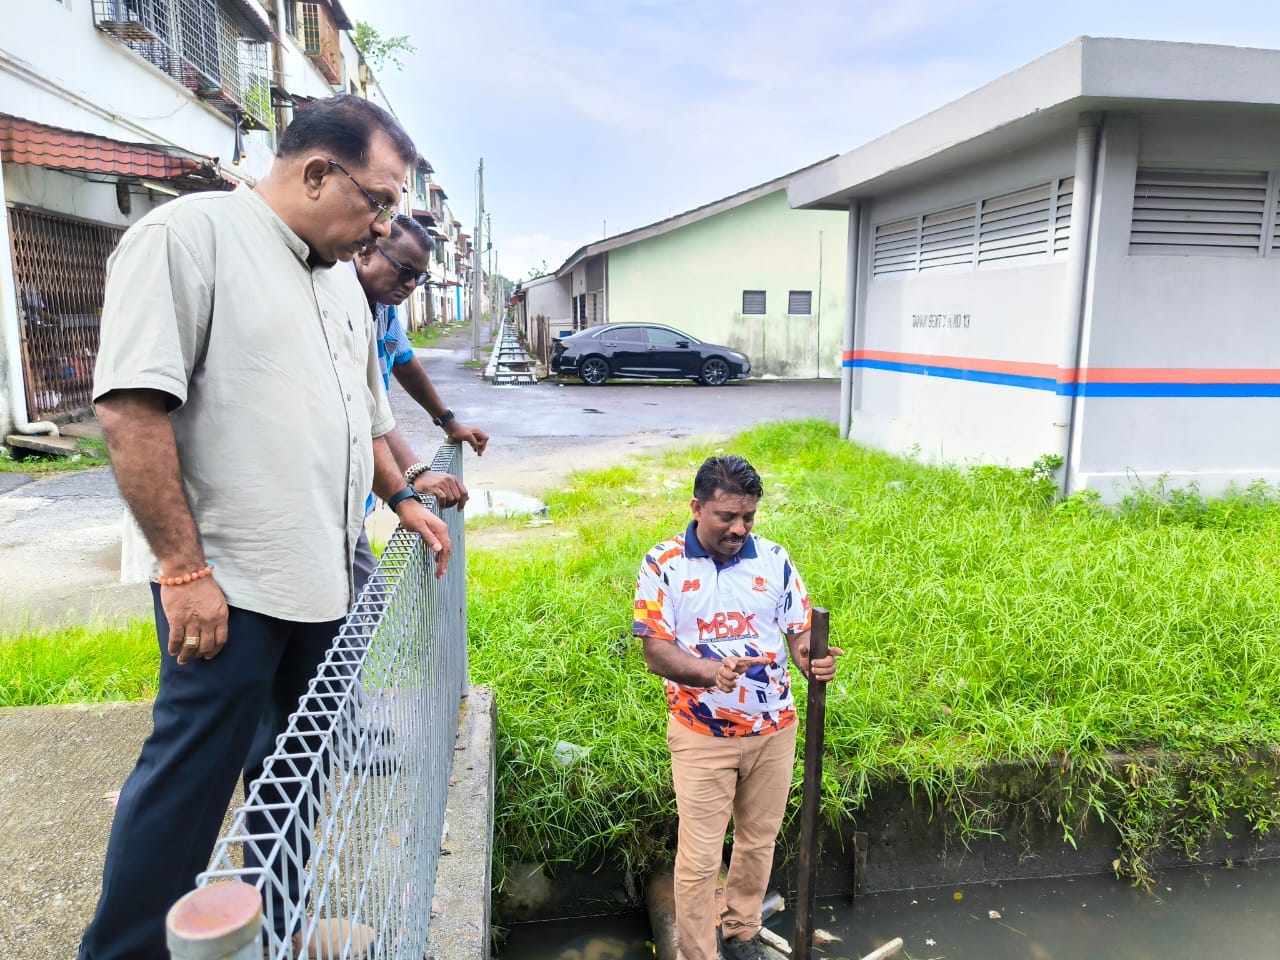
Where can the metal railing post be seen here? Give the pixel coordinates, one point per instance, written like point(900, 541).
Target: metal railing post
point(219, 922)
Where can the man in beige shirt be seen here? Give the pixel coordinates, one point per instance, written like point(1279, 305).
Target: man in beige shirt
point(238, 386)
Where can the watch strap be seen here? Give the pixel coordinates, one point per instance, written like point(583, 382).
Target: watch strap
point(398, 498)
point(444, 418)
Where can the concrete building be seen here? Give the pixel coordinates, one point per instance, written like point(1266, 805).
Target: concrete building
point(745, 271)
point(1080, 258)
point(110, 107)
point(542, 310)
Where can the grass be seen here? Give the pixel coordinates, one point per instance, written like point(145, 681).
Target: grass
point(983, 623)
point(93, 663)
point(428, 335)
point(1125, 657)
point(93, 453)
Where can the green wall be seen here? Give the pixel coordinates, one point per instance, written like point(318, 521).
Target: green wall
point(693, 277)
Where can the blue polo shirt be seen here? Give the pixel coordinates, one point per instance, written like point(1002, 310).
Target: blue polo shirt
point(394, 349)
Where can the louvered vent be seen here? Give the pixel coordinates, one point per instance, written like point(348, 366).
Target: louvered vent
point(946, 238)
point(1062, 216)
point(1186, 212)
point(1275, 229)
point(895, 247)
point(1015, 225)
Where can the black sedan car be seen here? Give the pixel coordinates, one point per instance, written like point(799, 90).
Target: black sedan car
point(645, 350)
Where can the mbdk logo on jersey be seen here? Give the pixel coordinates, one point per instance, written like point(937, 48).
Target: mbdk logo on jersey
point(727, 626)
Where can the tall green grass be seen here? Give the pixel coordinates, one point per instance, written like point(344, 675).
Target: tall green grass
point(87, 663)
point(982, 621)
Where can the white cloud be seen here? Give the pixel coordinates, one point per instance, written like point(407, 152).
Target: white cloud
point(522, 253)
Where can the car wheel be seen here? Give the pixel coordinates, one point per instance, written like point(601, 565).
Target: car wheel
point(715, 372)
point(594, 370)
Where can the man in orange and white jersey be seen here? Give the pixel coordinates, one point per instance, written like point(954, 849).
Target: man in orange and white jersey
point(722, 612)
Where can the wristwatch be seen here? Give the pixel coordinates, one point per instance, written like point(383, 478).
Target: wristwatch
point(417, 470)
point(398, 498)
point(444, 418)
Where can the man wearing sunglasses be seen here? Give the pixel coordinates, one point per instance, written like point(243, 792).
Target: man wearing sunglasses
point(389, 273)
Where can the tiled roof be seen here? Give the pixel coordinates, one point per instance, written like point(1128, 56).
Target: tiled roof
point(40, 145)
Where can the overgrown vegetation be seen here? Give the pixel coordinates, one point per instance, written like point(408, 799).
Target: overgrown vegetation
point(983, 622)
point(1124, 659)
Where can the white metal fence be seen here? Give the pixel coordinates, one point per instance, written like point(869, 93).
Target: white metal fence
point(346, 820)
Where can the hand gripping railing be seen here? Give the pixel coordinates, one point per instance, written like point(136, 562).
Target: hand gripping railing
point(337, 843)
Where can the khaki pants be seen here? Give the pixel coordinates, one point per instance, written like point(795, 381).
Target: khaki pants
point(748, 777)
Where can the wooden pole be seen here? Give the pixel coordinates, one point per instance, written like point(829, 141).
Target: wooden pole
point(811, 796)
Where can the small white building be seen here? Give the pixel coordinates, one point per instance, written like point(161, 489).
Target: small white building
point(1081, 258)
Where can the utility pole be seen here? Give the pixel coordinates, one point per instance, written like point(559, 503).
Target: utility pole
point(476, 269)
point(493, 303)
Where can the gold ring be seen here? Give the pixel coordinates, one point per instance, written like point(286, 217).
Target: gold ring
point(191, 642)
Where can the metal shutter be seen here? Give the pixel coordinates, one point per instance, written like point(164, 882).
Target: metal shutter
point(1062, 216)
point(946, 238)
point(1015, 225)
point(800, 303)
point(753, 302)
point(895, 247)
point(1186, 212)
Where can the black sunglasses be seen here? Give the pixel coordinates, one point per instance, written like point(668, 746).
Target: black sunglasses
point(407, 273)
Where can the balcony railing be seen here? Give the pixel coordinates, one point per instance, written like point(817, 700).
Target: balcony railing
point(206, 46)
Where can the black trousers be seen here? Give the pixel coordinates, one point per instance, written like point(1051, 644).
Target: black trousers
point(214, 720)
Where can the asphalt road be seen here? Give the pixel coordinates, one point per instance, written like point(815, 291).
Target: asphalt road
point(60, 535)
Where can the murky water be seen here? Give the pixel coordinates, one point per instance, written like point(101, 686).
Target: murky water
point(503, 503)
point(1209, 913)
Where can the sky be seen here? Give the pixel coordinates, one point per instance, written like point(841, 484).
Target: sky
point(596, 117)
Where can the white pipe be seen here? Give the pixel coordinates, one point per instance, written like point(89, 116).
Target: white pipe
point(850, 317)
point(10, 322)
point(1082, 198)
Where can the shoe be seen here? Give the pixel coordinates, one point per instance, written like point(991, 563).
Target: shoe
point(331, 936)
point(753, 949)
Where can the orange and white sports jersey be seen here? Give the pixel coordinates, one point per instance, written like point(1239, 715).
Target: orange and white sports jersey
point(743, 608)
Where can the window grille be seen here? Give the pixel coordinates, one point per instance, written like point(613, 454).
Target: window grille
point(1015, 225)
point(753, 302)
point(208, 47)
point(59, 271)
point(895, 248)
point(320, 40)
point(1275, 226)
point(1185, 212)
point(946, 238)
point(800, 303)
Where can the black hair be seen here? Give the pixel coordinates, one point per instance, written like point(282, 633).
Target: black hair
point(416, 231)
point(731, 475)
point(343, 127)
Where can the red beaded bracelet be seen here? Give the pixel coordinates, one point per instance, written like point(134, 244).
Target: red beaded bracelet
point(185, 578)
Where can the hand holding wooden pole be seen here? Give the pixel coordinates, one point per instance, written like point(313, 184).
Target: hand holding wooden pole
point(811, 797)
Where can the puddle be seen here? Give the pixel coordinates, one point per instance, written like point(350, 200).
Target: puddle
point(502, 503)
point(1193, 913)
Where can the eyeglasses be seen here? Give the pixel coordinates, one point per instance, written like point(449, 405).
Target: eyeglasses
point(407, 273)
point(384, 211)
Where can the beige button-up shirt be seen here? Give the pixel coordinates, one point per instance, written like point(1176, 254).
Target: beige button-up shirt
point(276, 394)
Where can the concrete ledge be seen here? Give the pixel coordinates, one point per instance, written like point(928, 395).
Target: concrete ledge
point(459, 928)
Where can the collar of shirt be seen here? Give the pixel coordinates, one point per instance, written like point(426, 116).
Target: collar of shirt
point(693, 548)
point(262, 210)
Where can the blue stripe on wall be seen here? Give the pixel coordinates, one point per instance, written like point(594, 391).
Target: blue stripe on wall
point(1076, 389)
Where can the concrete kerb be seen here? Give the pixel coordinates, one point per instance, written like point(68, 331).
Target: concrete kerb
point(460, 911)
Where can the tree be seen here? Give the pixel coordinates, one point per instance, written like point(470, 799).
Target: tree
point(379, 50)
point(541, 270)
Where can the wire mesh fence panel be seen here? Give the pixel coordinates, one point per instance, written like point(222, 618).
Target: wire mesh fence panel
point(342, 832)
point(59, 271)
